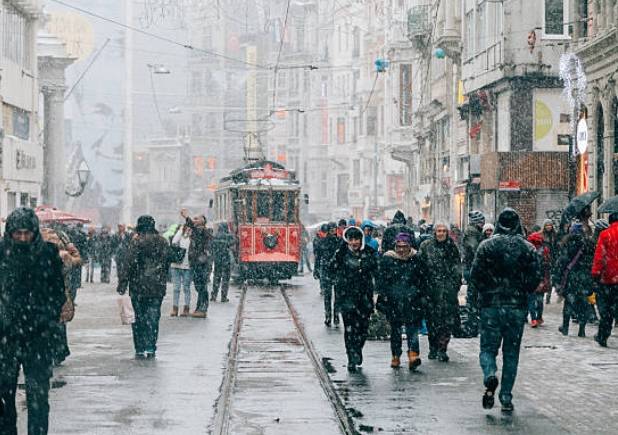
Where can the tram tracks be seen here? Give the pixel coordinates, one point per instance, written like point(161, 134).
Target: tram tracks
point(280, 363)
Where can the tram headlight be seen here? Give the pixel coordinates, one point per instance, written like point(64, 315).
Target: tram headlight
point(270, 241)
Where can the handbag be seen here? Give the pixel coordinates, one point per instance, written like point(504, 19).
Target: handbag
point(567, 271)
point(177, 254)
point(127, 314)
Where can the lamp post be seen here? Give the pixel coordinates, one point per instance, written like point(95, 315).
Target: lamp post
point(83, 175)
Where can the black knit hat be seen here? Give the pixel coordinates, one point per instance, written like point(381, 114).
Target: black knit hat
point(145, 224)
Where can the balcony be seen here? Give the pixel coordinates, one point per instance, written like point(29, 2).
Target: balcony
point(530, 170)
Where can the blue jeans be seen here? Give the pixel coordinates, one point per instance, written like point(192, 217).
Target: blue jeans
point(535, 305)
point(412, 330)
point(504, 325)
point(146, 326)
point(181, 278)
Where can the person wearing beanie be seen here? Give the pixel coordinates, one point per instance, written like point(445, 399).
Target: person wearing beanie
point(398, 225)
point(354, 268)
point(550, 241)
point(505, 270)
point(442, 266)
point(605, 273)
point(200, 260)
point(32, 295)
point(401, 292)
point(324, 252)
point(488, 231)
point(341, 226)
point(145, 277)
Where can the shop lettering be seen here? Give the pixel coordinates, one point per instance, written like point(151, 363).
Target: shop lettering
point(24, 161)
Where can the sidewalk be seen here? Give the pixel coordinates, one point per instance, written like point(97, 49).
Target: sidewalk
point(565, 385)
point(101, 389)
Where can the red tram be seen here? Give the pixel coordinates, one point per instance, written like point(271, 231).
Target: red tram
point(260, 203)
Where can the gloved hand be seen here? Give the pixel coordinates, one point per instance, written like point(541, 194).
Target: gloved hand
point(316, 274)
point(121, 291)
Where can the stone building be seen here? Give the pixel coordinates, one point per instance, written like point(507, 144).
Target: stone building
point(21, 166)
point(595, 42)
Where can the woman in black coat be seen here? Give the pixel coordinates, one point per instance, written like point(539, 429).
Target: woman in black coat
point(354, 267)
point(573, 279)
point(401, 297)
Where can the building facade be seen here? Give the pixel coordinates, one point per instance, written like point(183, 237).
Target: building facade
point(21, 174)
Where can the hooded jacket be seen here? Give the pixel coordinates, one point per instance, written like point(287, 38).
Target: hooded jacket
point(147, 264)
point(354, 275)
point(32, 290)
point(577, 277)
point(398, 225)
point(506, 267)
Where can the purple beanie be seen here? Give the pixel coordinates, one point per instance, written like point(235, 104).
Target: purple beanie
point(404, 237)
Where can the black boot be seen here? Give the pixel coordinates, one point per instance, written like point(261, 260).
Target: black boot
point(582, 330)
point(564, 329)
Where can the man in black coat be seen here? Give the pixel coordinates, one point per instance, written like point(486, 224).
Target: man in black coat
point(398, 225)
point(104, 252)
point(222, 245)
point(326, 249)
point(200, 260)
point(505, 270)
point(31, 297)
point(354, 267)
point(145, 275)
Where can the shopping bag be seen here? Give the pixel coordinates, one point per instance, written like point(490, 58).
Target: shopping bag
point(127, 315)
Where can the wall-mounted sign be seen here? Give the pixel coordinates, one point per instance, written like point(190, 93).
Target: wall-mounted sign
point(509, 186)
point(24, 160)
point(582, 136)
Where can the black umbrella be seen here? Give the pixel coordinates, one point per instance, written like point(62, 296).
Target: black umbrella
point(609, 206)
point(577, 205)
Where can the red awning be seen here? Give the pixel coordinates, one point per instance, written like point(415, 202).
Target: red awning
point(51, 214)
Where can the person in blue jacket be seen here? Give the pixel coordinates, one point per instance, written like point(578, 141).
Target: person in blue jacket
point(367, 226)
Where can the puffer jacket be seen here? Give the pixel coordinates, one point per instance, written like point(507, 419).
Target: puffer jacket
point(577, 278)
point(397, 226)
point(354, 275)
point(605, 264)
point(402, 287)
point(506, 267)
point(471, 240)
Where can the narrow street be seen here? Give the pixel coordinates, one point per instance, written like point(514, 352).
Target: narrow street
point(270, 383)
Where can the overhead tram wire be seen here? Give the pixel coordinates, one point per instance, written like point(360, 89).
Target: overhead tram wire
point(276, 69)
point(159, 37)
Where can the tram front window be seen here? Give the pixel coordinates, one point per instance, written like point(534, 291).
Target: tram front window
point(263, 205)
point(278, 207)
point(292, 206)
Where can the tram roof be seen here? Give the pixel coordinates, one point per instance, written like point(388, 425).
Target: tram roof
point(261, 173)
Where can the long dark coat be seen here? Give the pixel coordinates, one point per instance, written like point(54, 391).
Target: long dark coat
point(579, 280)
point(32, 294)
point(147, 264)
point(401, 286)
point(354, 276)
point(442, 264)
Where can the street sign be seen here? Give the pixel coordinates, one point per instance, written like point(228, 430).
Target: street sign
point(509, 186)
point(582, 136)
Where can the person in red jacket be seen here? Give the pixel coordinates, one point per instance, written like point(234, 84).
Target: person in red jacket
point(605, 272)
point(535, 299)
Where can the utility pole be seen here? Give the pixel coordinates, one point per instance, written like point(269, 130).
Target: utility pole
point(127, 202)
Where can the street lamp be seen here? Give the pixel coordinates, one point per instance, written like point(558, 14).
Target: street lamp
point(83, 175)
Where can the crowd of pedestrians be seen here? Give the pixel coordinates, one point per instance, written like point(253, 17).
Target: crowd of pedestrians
point(415, 274)
point(41, 272)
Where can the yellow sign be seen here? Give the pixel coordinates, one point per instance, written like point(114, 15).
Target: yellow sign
point(543, 121)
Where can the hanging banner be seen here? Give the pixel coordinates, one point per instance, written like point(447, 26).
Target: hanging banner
point(582, 136)
point(582, 173)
